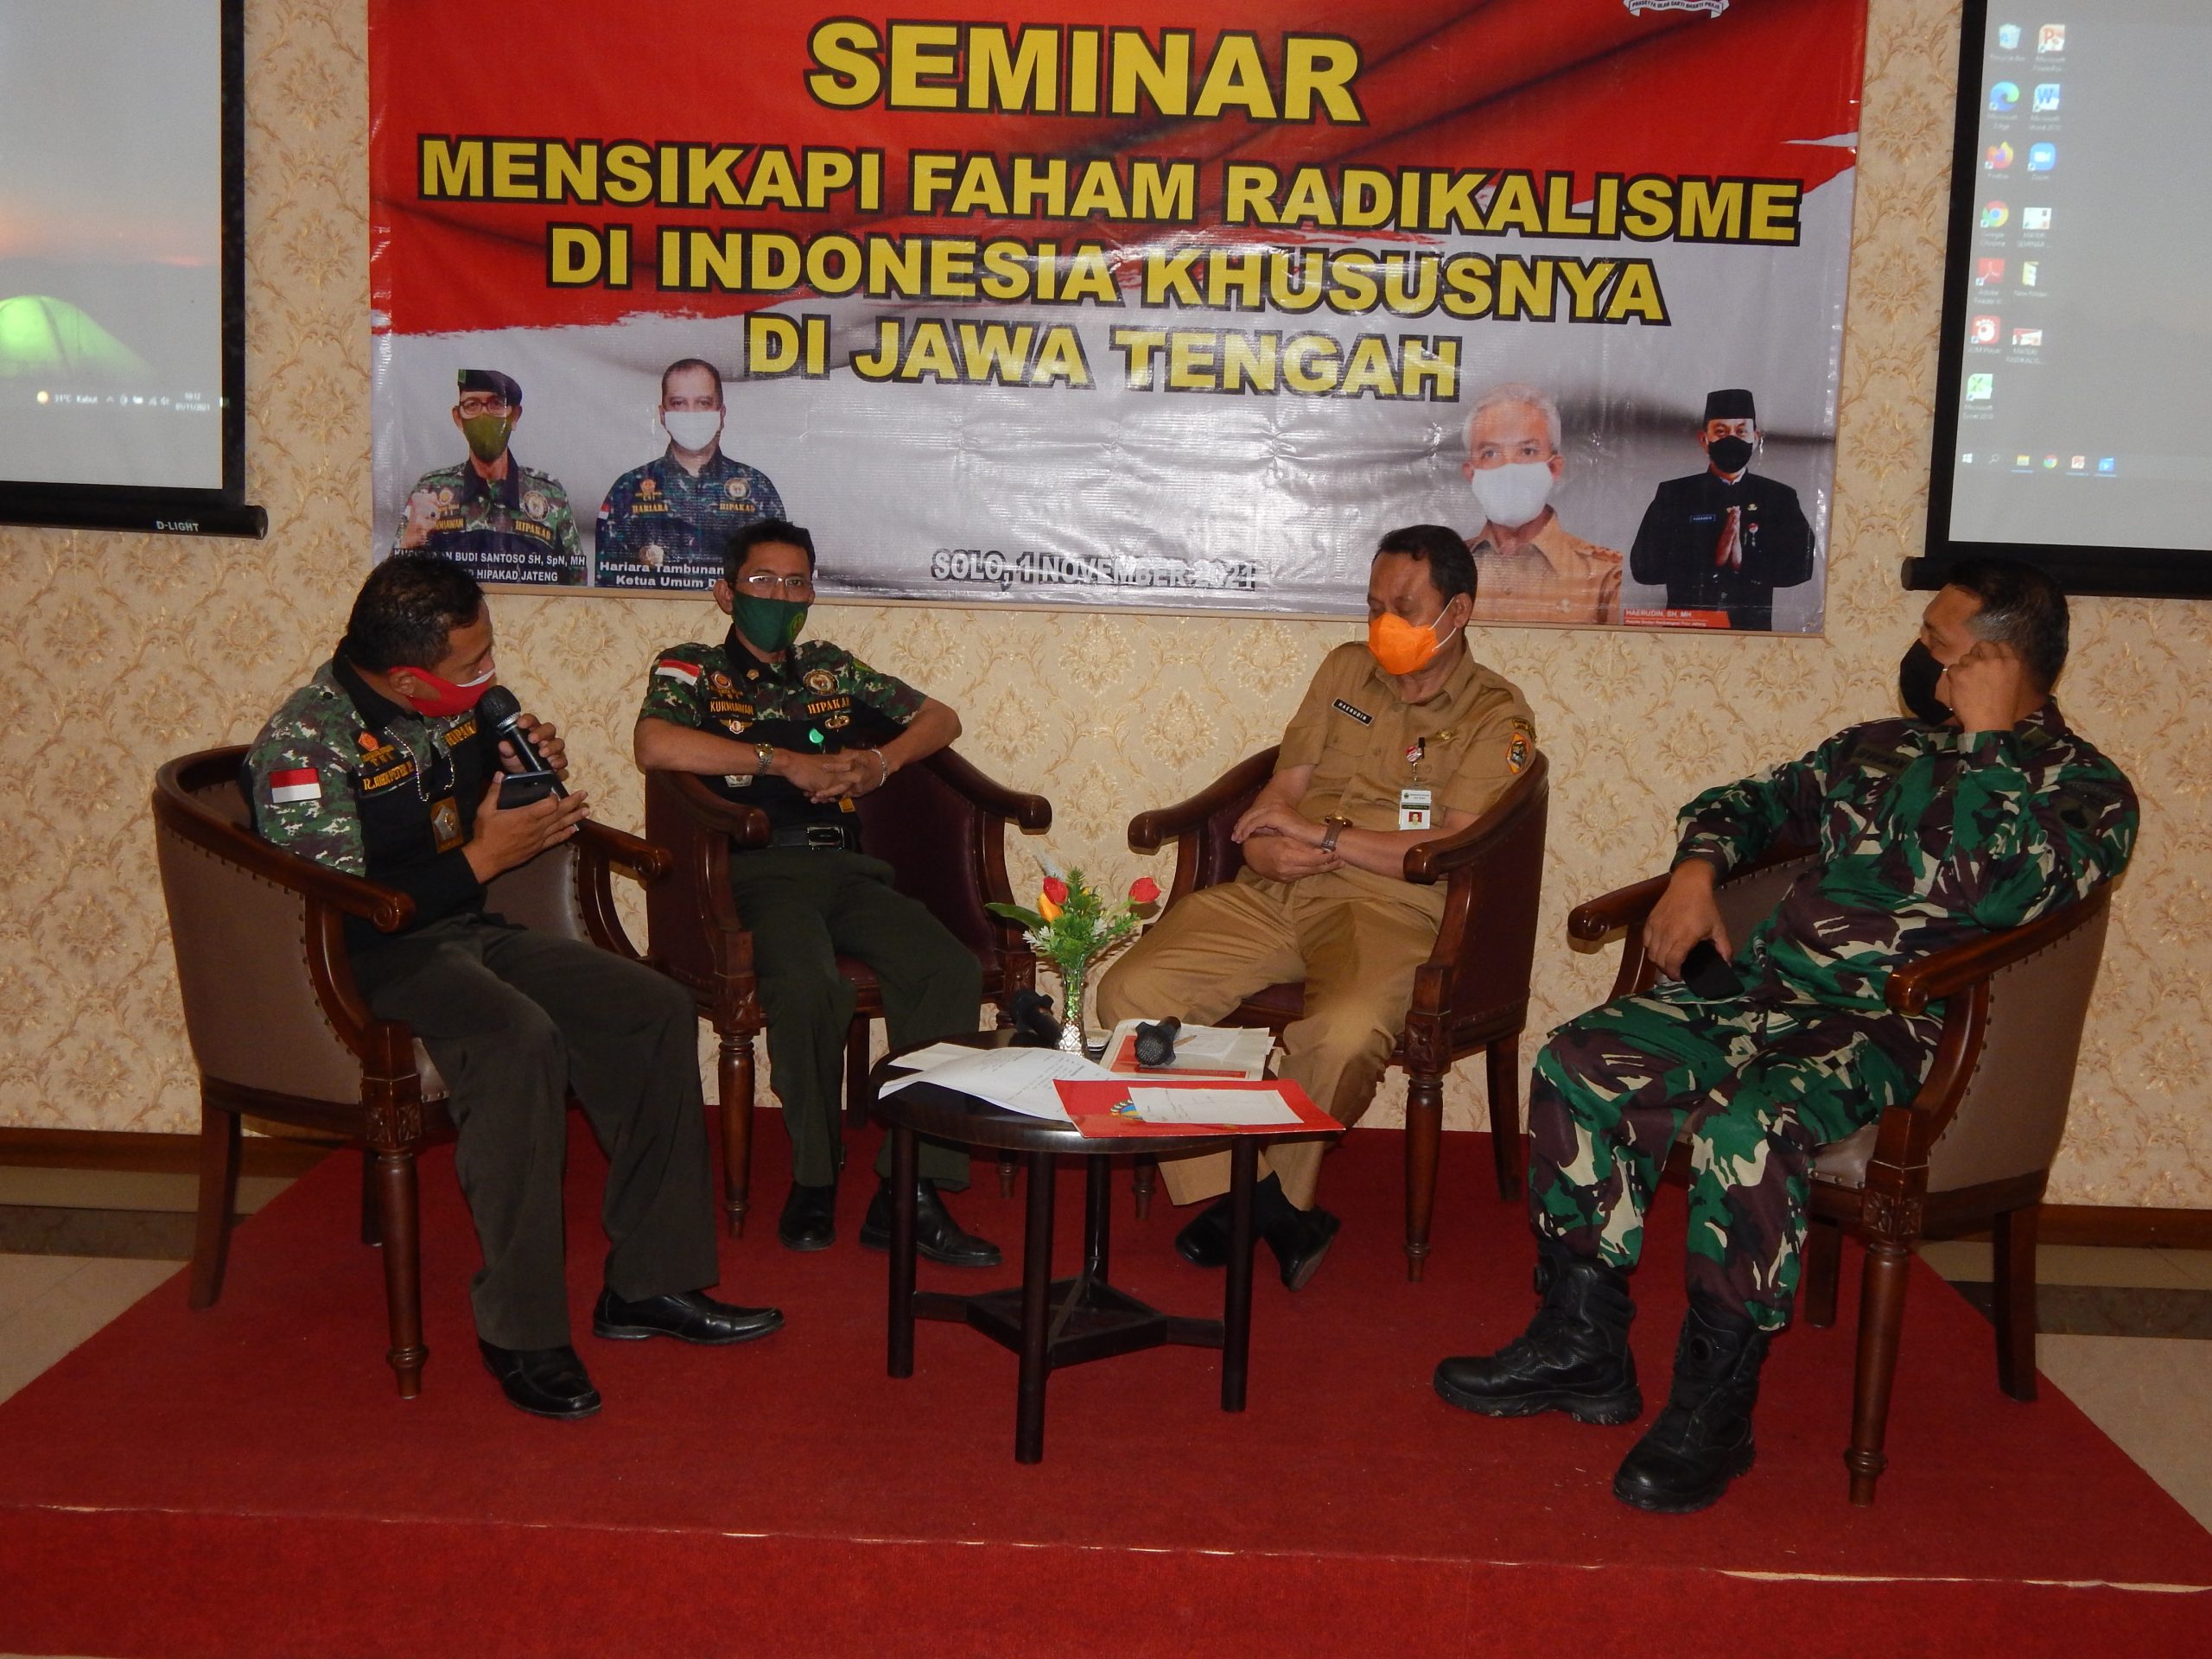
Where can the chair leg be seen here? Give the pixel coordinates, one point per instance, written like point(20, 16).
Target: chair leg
point(1502, 1064)
point(1006, 1167)
point(371, 1234)
point(219, 1189)
point(856, 1071)
point(1823, 1266)
point(734, 1078)
point(2013, 1240)
point(1881, 1318)
point(403, 1266)
point(1424, 1133)
point(1143, 1180)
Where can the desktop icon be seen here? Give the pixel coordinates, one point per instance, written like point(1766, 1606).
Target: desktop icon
point(2051, 463)
point(2004, 98)
point(1983, 332)
point(1994, 213)
point(2108, 465)
point(2052, 37)
point(2035, 219)
point(2041, 157)
point(2047, 99)
point(2028, 269)
point(1981, 388)
point(2028, 339)
point(2079, 464)
point(1967, 460)
point(1988, 272)
point(1998, 157)
point(2008, 37)
point(2023, 463)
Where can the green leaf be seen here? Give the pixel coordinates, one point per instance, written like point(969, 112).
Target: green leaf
point(1028, 919)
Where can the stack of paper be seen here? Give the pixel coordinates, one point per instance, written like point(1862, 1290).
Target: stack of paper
point(1019, 1079)
point(1200, 1051)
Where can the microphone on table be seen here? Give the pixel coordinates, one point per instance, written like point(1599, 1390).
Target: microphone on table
point(499, 707)
point(1156, 1042)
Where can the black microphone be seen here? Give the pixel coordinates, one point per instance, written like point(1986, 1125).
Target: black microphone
point(1156, 1044)
point(498, 707)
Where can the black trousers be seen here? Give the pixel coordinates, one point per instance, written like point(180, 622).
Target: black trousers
point(515, 1020)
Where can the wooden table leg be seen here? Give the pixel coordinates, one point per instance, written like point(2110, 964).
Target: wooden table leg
point(903, 1160)
point(1236, 1311)
point(1097, 1215)
point(1036, 1335)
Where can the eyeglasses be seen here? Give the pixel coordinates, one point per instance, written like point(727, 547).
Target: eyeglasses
point(472, 407)
point(761, 585)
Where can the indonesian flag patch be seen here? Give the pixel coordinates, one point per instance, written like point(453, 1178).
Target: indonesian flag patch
point(676, 669)
point(295, 784)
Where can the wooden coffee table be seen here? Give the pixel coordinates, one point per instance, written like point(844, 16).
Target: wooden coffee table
point(1054, 1322)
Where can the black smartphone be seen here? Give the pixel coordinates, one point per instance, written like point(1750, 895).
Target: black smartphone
point(524, 788)
point(1705, 971)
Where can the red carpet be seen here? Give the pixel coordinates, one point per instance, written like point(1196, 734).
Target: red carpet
point(246, 1481)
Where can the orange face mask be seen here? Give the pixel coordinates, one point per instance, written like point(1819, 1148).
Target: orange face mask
point(1404, 647)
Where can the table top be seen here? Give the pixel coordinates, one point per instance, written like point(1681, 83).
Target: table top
point(948, 1115)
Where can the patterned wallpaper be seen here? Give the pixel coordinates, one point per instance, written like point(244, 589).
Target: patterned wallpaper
point(129, 650)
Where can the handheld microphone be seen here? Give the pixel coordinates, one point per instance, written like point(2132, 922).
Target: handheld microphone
point(498, 706)
point(1156, 1042)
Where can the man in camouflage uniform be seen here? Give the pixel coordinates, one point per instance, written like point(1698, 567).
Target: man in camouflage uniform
point(663, 524)
point(380, 767)
point(492, 513)
point(1982, 812)
point(801, 731)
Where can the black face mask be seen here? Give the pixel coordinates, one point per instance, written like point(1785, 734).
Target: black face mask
point(1917, 676)
point(1730, 454)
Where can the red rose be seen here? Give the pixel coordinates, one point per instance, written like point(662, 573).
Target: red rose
point(1055, 890)
point(1144, 891)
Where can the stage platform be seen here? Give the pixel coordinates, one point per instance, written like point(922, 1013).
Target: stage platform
point(247, 1481)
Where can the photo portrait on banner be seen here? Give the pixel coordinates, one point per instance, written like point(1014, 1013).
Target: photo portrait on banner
point(1175, 309)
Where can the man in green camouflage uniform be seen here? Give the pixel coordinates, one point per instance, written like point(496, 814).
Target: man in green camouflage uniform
point(491, 513)
point(1982, 813)
point(801, 731)
point(380, 767)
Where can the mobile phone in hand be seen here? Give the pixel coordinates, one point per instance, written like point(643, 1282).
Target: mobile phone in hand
point(1708, 973)
point(524, 788)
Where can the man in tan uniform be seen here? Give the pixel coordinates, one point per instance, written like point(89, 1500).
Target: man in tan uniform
point(1531, 570)
point(1399, 740)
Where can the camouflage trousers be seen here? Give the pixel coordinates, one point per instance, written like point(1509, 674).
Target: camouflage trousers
point(1764, 1081)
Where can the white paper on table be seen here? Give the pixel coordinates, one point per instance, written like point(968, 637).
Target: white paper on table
point(1020, 1079)
point(1238, 1049)
point(1169, 1102)
point(936, 1054)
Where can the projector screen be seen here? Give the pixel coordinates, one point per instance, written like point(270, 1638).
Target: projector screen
point(120, 320)
point(2075, 418)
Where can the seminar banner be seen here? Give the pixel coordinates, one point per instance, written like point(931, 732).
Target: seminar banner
point(1111, 304)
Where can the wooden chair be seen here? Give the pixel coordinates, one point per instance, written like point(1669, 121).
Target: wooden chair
point(940, 825)
point(1471, 995)
point(1970, 1150)
point(278, 1027)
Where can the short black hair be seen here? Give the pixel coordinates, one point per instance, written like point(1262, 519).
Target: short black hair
point(407, 610)
point(2021, 607)
point(1451, 566)
point(685, 365)
point(741, 542)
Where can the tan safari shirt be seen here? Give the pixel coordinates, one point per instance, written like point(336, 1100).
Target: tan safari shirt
point(1464, 746)
point(1554, 578)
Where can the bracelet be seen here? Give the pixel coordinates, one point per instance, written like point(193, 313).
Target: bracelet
point(883, 775)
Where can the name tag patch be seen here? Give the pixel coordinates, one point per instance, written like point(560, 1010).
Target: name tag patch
point(1359, 715)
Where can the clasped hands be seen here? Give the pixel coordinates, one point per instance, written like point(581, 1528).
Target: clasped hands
point(1281, 842)
point(838, 776)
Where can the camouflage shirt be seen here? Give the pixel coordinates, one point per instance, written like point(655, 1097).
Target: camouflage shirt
point(1928, 838)
point(515, 529)
point(663, 527)
point(350, 779)
point(820, 699)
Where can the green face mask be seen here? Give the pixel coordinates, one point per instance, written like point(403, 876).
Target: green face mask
point(770, 625)
point(487, 435)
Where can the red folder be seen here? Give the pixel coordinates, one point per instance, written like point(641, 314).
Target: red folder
point(1124, 1058)
point(1100, 1108)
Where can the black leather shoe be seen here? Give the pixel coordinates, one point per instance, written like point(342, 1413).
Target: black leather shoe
point(1299, 1241)
point(936, 1234)
point(1702, 1440)
point(1204, 1240)
point(688, 1316)
point(809, 1218)
point(1574, 1357)
point(544, 1382)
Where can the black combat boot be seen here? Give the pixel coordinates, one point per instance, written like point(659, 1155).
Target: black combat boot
point(1702, 1440)
point(1574, 1357)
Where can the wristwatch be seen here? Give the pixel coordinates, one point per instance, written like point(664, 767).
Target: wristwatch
point(1337, 827)
point(763, 755)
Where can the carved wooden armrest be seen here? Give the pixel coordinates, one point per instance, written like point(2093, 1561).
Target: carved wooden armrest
point(1031, 812)
point(1149, 831)
point(746, 826)
point(1945, 974)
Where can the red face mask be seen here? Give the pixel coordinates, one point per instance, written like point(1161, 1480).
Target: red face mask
point(448, 698)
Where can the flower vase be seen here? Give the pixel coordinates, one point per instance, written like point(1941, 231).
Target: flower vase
point(1072, 1009)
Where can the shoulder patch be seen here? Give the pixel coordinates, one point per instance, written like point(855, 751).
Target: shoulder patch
point(1516, 751)
point(1359, 715)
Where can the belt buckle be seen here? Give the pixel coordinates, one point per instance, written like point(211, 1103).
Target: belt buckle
point(825, 838)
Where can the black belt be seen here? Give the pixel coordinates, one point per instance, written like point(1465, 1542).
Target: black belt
point(817, 837)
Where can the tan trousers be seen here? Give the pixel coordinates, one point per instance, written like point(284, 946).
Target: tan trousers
point(1357, 954)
